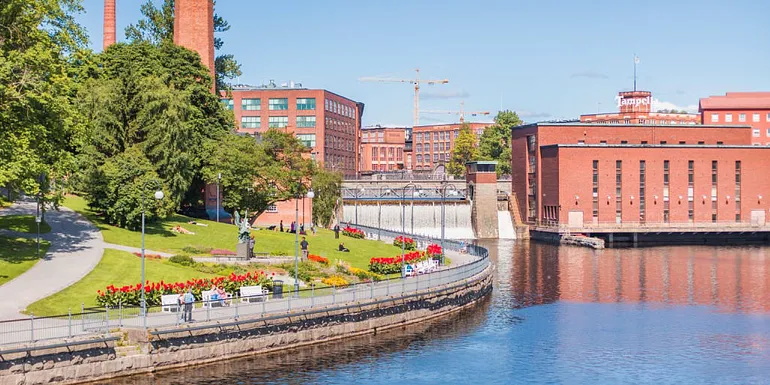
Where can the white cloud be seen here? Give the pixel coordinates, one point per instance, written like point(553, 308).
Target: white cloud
point(661, 105)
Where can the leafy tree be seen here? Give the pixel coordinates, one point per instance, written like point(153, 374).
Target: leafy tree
point(157, 27)
point(326, 185)
point(37, 132)
point(465, 151)
point(495, 142)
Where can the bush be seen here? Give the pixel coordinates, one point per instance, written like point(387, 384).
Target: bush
point(184, 260)
point(407, 242)
point(335, 281)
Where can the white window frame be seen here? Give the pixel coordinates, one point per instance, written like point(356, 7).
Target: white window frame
point(728, 118)
point(714, 118)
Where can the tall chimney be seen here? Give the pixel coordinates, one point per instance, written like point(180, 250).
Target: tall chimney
point(194, 29)
point(109, 23)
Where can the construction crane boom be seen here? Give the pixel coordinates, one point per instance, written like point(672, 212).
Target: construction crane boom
point(416, 81)
point(461, 112)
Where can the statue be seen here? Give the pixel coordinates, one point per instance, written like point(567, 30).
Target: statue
point(243, 227)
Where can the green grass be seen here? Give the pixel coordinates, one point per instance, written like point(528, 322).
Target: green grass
point(159, 237)
point(17, 256)
point(116, 268)
point(23, 224)
point(4, 202)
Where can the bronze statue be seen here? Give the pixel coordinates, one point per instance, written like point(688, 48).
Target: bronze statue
point(244, 229)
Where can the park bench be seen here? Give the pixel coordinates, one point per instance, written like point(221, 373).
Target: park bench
point(206, 298)
point(169, 303)
point(261, 254)
point(253, 293)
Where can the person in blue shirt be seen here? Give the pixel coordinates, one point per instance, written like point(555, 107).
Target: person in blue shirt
point(189, 299)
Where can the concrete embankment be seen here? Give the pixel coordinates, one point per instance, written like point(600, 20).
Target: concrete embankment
point(567, 239)
point(136, 351)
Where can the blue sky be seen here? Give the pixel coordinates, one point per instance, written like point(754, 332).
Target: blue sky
point(545, 59)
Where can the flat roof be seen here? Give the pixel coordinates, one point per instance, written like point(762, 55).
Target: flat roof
point(259, 89)
point(594, 124)
point(662, 146)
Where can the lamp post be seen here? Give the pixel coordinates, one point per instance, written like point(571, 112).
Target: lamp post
point(453, 191)
point(158, 196)
point(310, 194)
point(403, 220)
point(219, 180)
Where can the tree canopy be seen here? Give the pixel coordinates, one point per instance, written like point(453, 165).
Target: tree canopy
point(465, 151)
point(495, 142)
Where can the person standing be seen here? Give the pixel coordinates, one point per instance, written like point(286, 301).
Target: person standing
point(251, 246)
point(303, 245)
point(189, 299)
point(337, 231)
point(281, 225)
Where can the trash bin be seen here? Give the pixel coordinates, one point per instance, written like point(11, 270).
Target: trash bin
point(277, 289)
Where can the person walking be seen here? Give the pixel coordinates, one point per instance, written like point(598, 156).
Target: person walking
point(189, 299)
point(303, 245)
point(252, 242)
point(337, 231)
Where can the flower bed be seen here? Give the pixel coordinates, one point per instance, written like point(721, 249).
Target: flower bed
point(353, 232)
point(147, 256)
point(318, 258)
point(335, 281)
point(130, 295)
point(393, 264)
point(434, 251)
point(406, 241)
point(222, 253)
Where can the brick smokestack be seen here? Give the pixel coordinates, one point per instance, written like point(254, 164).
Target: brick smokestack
point(194, 29)
point(109, 23)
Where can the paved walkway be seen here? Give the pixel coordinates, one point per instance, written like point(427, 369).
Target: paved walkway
point(76, 248)
point(136, 250)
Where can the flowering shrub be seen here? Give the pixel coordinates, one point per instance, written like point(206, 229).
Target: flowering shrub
point(222, 252)
point(434, 251)
point(148, 256)
point(318, 258)
point(353, 232)
point(336, 281)
point(393, 264)
point(365, 275)
point(408, 243)
point(131, 294)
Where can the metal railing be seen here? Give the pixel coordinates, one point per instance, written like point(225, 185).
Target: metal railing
point(652, 226)
point(98, 321)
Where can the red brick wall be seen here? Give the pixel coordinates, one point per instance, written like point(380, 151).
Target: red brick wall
point(763, 125)
point(549, 188)
point(421, 131)
point(392, 138)
point(575, 178)
point(109, 24)
point(614, 134)
point(286, 212)
point(194, 28)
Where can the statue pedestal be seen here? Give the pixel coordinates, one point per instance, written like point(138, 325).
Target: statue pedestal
point(242, 250)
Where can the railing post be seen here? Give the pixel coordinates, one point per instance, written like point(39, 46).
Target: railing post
point(312, 294)
point(418, 282)
point(334, 294)
point(32, 327)
point(83, 315)
point(106, 319)
point(387, 287)
point(355, 289)
point(264, 301)
point(120, 313)
point(237, 300)
point(289, 302)
point(372, 285)
point(69, 323)
point(208, 309)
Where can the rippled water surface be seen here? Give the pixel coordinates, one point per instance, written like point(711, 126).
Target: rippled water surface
point(669, 315)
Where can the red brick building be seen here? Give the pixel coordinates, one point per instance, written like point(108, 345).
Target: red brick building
point(433, 144)
point(591, 175)
point(635, 107)
point(740, 108)
point(382, 149)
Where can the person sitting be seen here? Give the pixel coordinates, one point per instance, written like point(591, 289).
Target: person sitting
point(271, 227)
point(181, 230)
point(197, 224)
point(214, 293)
point(343, 248)
point(302, 229)
point(222, 295)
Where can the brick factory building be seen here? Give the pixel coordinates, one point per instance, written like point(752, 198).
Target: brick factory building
point(635, 107)
point(740, 108)
point(382, 149)
point(589, 177)
point(433, 144)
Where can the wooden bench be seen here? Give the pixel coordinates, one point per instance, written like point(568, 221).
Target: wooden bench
point(170, 303)
point(253, 294)
point(206, 298)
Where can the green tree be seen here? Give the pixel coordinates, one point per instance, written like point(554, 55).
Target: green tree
point(38, 40)
point(326, 185)
point(465, 151)
point(157, 27)
point(495, 142)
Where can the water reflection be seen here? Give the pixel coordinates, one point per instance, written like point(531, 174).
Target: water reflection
point(733, 279)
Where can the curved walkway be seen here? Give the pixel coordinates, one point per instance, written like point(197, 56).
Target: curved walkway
point(76, 248)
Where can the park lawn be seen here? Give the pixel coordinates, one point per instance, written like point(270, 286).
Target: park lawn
point(117, 268)
point(23, 224)
point(17, 255)
point(159, 237)
point(4, 202)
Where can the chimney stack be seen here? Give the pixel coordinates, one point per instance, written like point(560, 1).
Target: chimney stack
point(109, 23)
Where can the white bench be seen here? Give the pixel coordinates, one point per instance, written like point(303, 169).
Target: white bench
point(170, 303)
point(209, 302)
point(253, 293)
point(409, 271)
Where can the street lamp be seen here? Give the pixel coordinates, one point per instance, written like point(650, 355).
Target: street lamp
point(219, 180)
point(453, 191)
point(310, 194)
point(158, 196)
point(403, 220)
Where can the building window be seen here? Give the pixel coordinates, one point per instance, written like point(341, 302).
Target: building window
point(305, 121)
point(326, 104)
point(666, 206)
point(728, 118)
point(682, 142)
point(307, 139)
point(719, 143)
point(663, 142)
point(272, 209)
point(595, 191)
point(278, 104)
point(618, 191)
point(435, 146)
point(251, 104)
point(623, 142)
point(741, 117)
point(642, 201)
point(767, 118)
point(419, 147)
point(419, 158)
point(581, 141)
point(755, 132)
point(755, 118)
point(251, 122)
point(715, 118)
point(767, 133)
point(228, 103)
point(701, 142)
point(714, 178)
point(435, 157)
point(278, 121)
point(737, 190)
point(306, 103)
point(374, 153)
point(690, 190)
point(457, 133)
point(644, 142)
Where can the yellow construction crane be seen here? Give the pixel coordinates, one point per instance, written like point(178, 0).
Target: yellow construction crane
point(416, 81)
point(462, 112)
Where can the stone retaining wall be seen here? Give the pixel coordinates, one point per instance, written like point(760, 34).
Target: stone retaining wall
point(140, 351)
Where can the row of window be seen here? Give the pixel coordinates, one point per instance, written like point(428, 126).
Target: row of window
point(645, 121)
point(336, 143)
point(340, 126)
point(273, 104)
point(373, 136)
point(339, 162)
point(440, 135)
point(581, 141)
point(755, 117)
point(436, 157)
point(437, 146)
point(757, 133)
point(340, 109)
point(393, 153)
point(277, 121)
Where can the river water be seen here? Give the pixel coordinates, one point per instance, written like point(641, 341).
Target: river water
point(559, 315)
